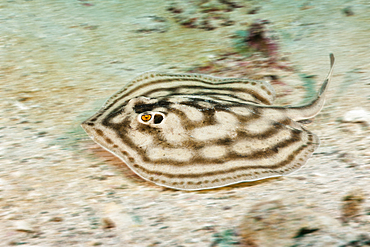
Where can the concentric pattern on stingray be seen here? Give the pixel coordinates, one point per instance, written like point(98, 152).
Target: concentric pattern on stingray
point(191, 131)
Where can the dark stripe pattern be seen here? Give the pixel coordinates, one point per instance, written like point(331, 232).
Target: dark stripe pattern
point(201, 131)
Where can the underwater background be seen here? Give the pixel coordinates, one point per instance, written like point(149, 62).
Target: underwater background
point(60, 61)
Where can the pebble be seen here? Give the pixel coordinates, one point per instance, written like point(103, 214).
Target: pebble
point(357, 115)
point(108, 223)
point(149, 24)
point(280, 223)
point(352, 205)
point(56, 219)
point(23, 226)
point(348, 11)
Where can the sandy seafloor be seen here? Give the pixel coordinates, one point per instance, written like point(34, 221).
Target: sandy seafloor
point(59, 62)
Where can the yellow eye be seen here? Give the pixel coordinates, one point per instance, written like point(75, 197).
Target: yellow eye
point(146, 117)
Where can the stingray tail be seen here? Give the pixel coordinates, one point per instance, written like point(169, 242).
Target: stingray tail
point(314, 107)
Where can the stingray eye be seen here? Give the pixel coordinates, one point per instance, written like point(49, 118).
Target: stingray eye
point(146, 117)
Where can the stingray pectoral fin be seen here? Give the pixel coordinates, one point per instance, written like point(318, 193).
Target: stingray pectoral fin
point(314, 107)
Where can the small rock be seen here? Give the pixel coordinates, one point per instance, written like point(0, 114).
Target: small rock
point(357, 115)
point(346, 157)
point(95, 243)
point(23, 226)
point(108, 223)
point(149, 24)
point(351, 205)
point(348, 11)
point(277, 223)
point(56, 219)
